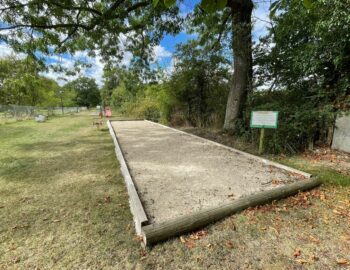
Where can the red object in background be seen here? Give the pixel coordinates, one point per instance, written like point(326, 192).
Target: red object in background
point(108, 112)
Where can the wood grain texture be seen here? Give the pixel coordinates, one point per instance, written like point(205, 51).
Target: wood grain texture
point(154, 233)
point(140, 217)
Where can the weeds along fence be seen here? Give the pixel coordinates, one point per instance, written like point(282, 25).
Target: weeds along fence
point(18, 112)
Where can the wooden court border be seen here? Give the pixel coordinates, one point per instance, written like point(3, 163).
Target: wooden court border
point(139, 214)
point(153, 233)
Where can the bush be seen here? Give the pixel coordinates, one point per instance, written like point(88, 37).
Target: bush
point(146, 109)
point(298, 125)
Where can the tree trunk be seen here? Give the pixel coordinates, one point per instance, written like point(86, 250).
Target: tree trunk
point(242, 63)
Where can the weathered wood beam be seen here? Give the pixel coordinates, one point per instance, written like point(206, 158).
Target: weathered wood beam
point(154, 233)
point(139, 214)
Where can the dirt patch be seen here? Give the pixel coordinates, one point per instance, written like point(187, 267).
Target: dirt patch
point(177, 174)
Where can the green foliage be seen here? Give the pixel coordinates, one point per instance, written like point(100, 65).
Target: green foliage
point(147, 108)
point(195, 94)
point(302, 65)
point(96, 26)
point(21, 84)
point(213, 5)
point(169, 3)
point(299, 122)
point(199, 84)
point(120, 97)
point(87, 92)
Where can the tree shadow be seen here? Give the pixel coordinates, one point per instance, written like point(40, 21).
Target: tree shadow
point(47, 159)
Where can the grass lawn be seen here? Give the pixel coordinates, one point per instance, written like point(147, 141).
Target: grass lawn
point(63, 204)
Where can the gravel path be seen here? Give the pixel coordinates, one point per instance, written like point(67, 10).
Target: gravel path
point(176, 173)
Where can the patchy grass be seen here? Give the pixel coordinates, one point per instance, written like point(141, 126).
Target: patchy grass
point(326, 175)
point(331, 169)
point(63, 204)
point(62, 198)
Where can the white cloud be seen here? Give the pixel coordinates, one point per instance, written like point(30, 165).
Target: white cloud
point(159, 52)
point(261, 19)
point(6, 50)
point(95, 71)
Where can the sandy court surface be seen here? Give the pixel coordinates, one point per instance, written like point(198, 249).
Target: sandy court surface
point(176, 174)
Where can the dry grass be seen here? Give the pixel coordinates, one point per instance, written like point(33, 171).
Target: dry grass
point(63, 204)
point(62, 198)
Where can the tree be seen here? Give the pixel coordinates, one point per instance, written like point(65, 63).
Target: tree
point(216, 21)
point(87, 92)
point(111, 81)
point(302, 69)
point(199, 83)
point(21, 83)
point(229, 25)
point(106, 27)
point(97, 25)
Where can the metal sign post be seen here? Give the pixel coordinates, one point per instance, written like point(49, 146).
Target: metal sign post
point(262, 120)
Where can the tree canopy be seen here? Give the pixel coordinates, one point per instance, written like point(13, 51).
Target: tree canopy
point(22, 84)
point(110, 27)
point(300, 68)
point(87, 91)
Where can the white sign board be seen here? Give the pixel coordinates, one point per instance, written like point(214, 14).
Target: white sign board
point(264, 119)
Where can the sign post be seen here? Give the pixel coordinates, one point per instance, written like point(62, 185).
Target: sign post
point(262, 120)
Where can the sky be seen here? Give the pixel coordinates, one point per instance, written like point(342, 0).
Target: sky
point(163, 52)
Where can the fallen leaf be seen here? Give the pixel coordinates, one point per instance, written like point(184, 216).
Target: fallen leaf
point(342, 262)
point(313, 239)
point(138, 238)
point(182, 239)
point(190, 244)
point(345, 237)
point(198, 235)
point(314, 258)
point(229, 244)
point(301, 261)
point(297, 252)
point(108, 199)
point(143, 252)
point(276, 182)
point(274, 229)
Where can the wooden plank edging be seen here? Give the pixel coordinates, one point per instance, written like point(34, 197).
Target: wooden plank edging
point(257, 158)
point(157, 232)
point(139, 214)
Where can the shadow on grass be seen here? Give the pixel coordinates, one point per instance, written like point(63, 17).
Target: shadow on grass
point(48, 159)
point(59, 146)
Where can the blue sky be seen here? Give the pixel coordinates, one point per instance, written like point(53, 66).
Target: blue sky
point(163, 52)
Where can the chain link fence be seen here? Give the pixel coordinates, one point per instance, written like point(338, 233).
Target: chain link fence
point(18, 112)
